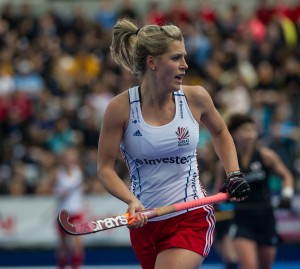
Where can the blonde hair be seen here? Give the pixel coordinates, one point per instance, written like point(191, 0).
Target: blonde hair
point(130, 45)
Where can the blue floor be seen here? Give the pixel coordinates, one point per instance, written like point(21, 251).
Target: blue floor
point(288, 257)
point(287, 265)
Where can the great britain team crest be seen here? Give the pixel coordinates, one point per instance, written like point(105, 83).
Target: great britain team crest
point(183, 136)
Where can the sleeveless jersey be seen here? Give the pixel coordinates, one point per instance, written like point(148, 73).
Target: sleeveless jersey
point(258, 203)
point(71, 184)
point(162, 160)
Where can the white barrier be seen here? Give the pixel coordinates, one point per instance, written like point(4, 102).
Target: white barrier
point(31, 221)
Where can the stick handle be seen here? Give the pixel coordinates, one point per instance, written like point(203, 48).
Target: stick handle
point(164, 210)
point(121, 220)
point(217, 198)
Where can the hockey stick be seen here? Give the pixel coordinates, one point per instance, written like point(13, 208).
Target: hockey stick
point(122, 220)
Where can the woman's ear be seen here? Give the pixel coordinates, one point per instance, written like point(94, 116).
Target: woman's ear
point(151, 62)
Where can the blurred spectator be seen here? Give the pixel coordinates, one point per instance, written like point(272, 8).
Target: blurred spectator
point(66, 182)
point(283, 9)
point(288, 29)
point(291, 84)
point(256, 28)
point(63, 136)
point(245, 67)
point(155, 15)
point(178, 14)
point(198, 46)
point(206, 13)
point(234, 96)
point(264, 11)
point(18, 116)
point(26, 79)
point(85, 67)
point(284, 132)
point(266, 95)
point(92, 182)
point(106, 16)
point(99, 96)
point(7, 83)
point(127, 10)
point(78, 22)
point(230, 21)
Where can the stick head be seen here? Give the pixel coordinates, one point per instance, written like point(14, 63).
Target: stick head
point(63, 221)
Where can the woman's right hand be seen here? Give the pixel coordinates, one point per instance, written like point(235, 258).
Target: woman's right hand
point(136, 218)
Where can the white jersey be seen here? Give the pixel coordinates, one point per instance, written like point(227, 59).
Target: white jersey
point(69, 189)
point(162, 160)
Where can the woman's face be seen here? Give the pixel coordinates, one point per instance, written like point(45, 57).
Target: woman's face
point(171, 66)
point(245, 135)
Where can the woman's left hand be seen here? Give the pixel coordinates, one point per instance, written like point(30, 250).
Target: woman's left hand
point(237, 187)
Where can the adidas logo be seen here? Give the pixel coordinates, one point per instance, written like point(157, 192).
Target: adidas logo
point(137, 133)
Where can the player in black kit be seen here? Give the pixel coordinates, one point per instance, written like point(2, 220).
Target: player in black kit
point(254, 227)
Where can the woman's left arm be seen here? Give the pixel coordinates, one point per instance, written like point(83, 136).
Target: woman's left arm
point(203, 108)
point(222, 141)
point(273, 160)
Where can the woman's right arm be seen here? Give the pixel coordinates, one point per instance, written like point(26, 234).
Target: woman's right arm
point(113, 126)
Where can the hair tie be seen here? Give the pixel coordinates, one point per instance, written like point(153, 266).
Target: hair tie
point(137, 31)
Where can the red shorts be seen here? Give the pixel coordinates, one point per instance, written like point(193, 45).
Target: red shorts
point(193, 230)
point(75, 218)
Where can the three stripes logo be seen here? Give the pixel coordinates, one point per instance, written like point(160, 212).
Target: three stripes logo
point(183, 136)
point(137, 133)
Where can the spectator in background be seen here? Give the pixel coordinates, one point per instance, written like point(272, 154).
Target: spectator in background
point(66, 182)
point(284, 133)
point(206, 13)
point(264, 11)
point(106, 16)
point(178, 14)
point(27, 80)
point(63, 136)
point(256, 28)
point(291, 82)
point(85, 67)
point(78, 23)
point(19, 114)
point(266, 94)
point(99, 96)
point(7, 83)
point(155, 15)
point(127, 10)
point(198, 46)
point(234, 97)
point(283, 9)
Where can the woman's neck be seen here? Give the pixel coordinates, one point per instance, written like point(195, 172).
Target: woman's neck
point(154, 96)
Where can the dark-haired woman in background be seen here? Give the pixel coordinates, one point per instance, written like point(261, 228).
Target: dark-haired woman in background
point(254, 227)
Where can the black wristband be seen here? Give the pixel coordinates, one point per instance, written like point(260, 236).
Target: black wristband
point(234, 173)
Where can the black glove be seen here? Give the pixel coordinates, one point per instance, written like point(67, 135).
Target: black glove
point(236, 185)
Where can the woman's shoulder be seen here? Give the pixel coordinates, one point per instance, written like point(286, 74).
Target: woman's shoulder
point(267, 154)
point(194, 90)
point(196, 93)
point(118, 106)
point(120, 101)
